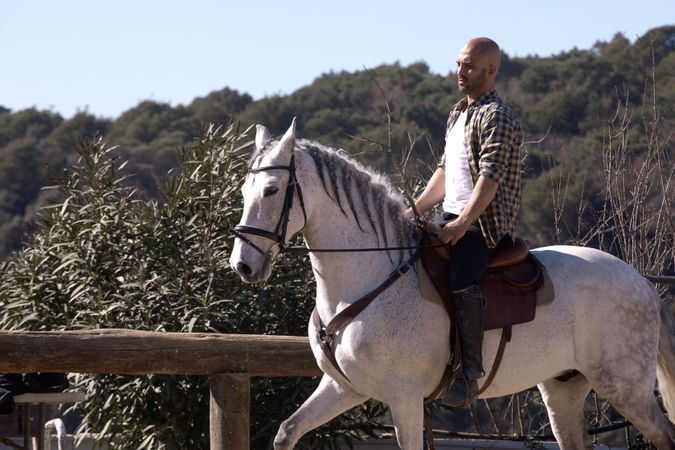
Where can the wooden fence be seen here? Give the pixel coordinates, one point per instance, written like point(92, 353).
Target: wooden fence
point(229, 360)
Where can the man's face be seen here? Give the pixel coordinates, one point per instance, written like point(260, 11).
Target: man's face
point(472, 72)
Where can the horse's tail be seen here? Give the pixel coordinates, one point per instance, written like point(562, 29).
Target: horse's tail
point(665, 362)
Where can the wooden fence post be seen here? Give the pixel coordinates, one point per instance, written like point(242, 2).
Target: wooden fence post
point(230, 411)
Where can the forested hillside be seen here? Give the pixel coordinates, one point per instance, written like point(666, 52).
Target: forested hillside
point(564, 101)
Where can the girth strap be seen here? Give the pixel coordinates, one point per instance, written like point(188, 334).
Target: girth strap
point(326, 334)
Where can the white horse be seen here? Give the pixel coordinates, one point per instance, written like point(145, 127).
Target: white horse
point(607, 322)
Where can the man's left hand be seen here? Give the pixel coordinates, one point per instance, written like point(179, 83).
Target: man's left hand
point(452, 231)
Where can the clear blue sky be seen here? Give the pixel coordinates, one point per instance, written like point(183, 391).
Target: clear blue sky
point(107, 56)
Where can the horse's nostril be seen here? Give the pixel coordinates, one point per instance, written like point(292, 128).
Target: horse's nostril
point(243, 269)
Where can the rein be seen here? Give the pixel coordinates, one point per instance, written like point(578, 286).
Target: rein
point(278, 236)
point(356, 250)
point(327, 333)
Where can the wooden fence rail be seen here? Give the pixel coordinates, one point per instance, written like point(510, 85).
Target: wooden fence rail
point(229, 361)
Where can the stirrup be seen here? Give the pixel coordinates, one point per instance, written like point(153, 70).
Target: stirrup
point(462, 397)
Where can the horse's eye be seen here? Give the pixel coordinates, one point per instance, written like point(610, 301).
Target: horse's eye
point(270, 190)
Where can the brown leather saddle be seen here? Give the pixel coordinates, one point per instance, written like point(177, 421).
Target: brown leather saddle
point(509, 284)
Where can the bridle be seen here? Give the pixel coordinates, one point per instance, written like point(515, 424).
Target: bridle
point(278, 236)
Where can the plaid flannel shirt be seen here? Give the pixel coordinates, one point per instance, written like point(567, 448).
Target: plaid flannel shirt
point(493, 136)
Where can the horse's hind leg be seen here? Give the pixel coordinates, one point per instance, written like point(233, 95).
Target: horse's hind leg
point(564, 402)
point(634, 399)
point(327, 401)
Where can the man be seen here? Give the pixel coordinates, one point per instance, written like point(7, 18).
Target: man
point(478, 181)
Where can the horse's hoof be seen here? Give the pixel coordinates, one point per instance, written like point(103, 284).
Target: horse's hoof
point(283, 441)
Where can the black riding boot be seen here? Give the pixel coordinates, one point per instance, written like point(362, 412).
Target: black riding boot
point(469, 304)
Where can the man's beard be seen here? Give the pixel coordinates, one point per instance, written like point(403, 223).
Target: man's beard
point(471, 84)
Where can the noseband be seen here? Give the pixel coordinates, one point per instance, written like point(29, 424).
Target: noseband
point(278, 236)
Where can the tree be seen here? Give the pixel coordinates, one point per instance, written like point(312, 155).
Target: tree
point(219, 106)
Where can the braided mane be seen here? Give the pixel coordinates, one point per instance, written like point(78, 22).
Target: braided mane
point(367, 195)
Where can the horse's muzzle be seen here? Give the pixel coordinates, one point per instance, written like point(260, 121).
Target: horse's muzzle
point(247, 272)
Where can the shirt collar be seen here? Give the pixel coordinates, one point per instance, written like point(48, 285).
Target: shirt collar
point(484, 98)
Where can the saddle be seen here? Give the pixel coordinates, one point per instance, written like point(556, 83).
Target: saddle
point(510, 283)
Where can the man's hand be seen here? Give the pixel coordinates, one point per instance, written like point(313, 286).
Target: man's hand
point(453, 231)
point(481, 196)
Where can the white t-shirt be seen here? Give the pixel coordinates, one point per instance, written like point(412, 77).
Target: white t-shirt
point(458, 182)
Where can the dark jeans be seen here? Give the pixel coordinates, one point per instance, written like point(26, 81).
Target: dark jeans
point(469, 257)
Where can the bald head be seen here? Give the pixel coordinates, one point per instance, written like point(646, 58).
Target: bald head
point(486, 49)
point(477, 66)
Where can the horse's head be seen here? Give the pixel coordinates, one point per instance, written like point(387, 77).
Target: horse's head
point(273, 206)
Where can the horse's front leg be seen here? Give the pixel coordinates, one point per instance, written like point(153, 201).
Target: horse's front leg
point(407, 412)
point(327, 401)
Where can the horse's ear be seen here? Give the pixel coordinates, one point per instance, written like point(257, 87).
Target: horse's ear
point(262, 136)
point(287, 143)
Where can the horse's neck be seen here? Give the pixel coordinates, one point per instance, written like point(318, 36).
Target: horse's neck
point(344, 277)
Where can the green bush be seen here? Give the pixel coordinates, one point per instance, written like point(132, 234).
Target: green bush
point(104, 257)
